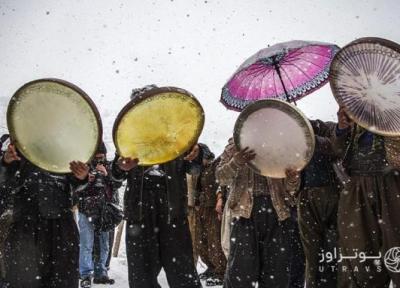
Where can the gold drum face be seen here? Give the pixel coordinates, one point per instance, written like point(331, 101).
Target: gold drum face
point(158, 126)
point(52, 123)
point(279, 133)
point(365, 80)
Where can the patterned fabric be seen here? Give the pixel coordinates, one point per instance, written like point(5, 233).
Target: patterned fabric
point(303, 67)
point(260, 186)
point(392, 146)
point(242, 182)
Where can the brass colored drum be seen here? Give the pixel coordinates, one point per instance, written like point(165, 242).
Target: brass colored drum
point(158, 126)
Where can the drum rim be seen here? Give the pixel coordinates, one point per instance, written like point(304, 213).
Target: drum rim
point(257, 105)
point(67, 84)
point(333, 83)
point(148, 94)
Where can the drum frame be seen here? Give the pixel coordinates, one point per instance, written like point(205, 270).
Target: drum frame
point(148, 94)
point(67, 84)
point(270, 103)
point(332, 75)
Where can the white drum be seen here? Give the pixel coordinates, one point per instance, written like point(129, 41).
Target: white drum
point(280, 135)
point(365, 80)
point(53, 122)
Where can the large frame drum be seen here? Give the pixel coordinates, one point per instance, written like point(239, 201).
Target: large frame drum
point(158, 126)
point(365, 80)
point(279, 133)
point(53, 122)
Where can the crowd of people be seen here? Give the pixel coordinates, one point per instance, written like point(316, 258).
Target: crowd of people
point(42, 245)
point(248, 229)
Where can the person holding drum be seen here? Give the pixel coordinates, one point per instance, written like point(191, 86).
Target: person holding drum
point(42, 246)
point(156, 136)
point(364, 77)
point(368, 218)
point(260, 206)
point(157, 233)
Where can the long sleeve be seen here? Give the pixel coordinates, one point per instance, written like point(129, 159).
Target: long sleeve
point(7, 171)
point(117, 175)
point(392, 147)
point(323, 137)
point(340, 141)
point(76, 184)
point(114, 184)
point(227, 170)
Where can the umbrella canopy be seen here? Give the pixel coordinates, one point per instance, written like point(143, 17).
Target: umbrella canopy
point(287, 71)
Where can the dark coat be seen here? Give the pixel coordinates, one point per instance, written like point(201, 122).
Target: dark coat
point(319, 171)
point(34, 192)
point(137, 181)
point(365, 153)
point(92, 199)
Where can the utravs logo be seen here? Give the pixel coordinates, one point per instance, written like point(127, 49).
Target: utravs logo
point(359, 261)
point(392, 259)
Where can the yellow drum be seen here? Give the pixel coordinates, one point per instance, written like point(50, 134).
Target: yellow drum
point(158, 126)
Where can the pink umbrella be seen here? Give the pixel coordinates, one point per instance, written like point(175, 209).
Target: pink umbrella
point(288, 71)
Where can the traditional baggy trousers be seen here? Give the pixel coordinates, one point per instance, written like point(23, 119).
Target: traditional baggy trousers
point(42, 253)
point(369, 222)
point(157, 242)
point(297, 258)
point(5, 222)
point(317, 212)
point(259, 249)
point(209, 241)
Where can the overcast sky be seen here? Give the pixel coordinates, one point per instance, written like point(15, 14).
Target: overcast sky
point(109, 47)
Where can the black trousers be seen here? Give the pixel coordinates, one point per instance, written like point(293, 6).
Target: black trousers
point(155, 243)
point(259, 250)
point(41, 253)
point(297, 258)
point(369, 222)
point(317, 210)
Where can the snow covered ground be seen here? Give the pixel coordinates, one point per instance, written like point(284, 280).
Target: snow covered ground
point(119, 271)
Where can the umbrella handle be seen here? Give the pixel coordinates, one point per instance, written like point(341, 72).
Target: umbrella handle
point(283, 85)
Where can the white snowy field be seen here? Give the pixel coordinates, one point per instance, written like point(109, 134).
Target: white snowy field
point(119, 271)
